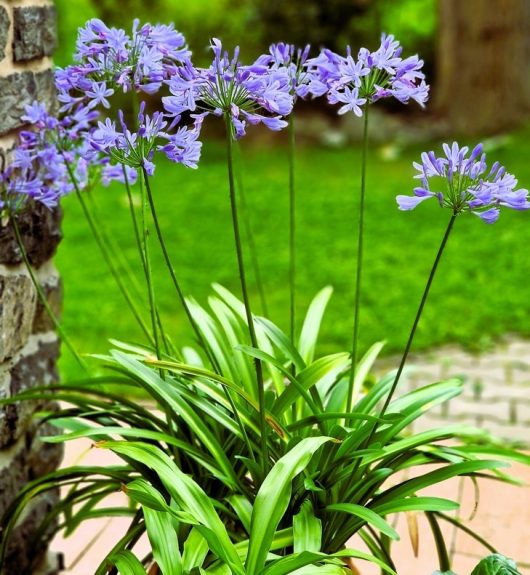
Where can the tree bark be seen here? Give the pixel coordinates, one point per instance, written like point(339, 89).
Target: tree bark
point(483, 64)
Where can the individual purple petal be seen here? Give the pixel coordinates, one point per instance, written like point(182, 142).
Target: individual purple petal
point(406, 203)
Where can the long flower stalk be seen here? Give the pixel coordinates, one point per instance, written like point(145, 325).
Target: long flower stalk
point(148, 274)
point(359, 272)
point(169, 265)
point(108, 260)
point(42, 296)
point(245, 212)
point(419, 312)
point(246, 299)
point(292, 229)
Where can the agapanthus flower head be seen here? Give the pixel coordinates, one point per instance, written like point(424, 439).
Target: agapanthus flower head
point(354, 82)
point(135, 149)
point(245, 94)
point(462, 181)
point(110, 60)
point(46, 158)
point(292, 59)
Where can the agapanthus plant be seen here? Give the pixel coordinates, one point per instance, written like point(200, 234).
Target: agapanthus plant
point(463, 182)
point(260, 459)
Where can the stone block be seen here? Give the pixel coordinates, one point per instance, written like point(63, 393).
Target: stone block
point(4, 30)
point(34, 32)
point(27, 459)
point(19, 89)
point(41, 234)
point(53, 290)
point(23, 558)
point(18, 300)
point(35, 365)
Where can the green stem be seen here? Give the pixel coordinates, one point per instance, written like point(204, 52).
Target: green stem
point(251, 242)
point(418, 316)
point(169, 265)
point(42, 296)
point(360, 249)
point(140, 249)
point(149, 277)
point(246, 300)
point(110, 264)
point(292, 228)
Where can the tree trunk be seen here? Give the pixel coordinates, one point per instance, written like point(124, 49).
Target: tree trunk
point(483, 64)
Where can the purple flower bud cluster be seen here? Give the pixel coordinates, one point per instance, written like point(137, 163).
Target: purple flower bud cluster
point(372, 76)
point(468, 184)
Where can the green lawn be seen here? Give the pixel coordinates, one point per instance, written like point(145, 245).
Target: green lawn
point(480, 293)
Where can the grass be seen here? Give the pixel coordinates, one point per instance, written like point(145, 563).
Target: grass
point(479, 294)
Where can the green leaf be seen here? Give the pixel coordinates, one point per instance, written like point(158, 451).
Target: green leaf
point(243, 509)
point(164, 542)
point(496, 565)
point(324, 368)
point(127, 563)
point(366, 515)
point(195, 551)
point(158, 386)
point(311, 326)
point(307, 529)
point(416, 504)
point(187, 494)
point(273, 499)
point(297, 561)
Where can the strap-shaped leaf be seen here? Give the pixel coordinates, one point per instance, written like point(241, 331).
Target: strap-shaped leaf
point(127, 563)
point(367, 515)
point(307, 529)
point(273, 498)
point(188, 495)
point(164, 541)
point(311, 325)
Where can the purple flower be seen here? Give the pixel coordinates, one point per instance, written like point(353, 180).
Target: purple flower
point(98, 95)
point(370, 77)
point(245, 94)
point(136, 149)
point(468, 185)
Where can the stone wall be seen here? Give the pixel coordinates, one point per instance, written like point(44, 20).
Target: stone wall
point(29, 347)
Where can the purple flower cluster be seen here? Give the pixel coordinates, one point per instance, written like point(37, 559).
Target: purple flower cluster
point(468, 184)
point(245, 94)
point(372, 76)
point(136, 149)
point(45, 159)
point(110, 59)
point(65, 148)
point(293, 60)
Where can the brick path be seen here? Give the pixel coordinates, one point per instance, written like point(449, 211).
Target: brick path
point(496, 397)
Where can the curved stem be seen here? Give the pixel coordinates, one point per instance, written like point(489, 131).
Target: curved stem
point(292, 229)
point(42, 296)
point(246, 299)
point(414, 326)
point(360, 250)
